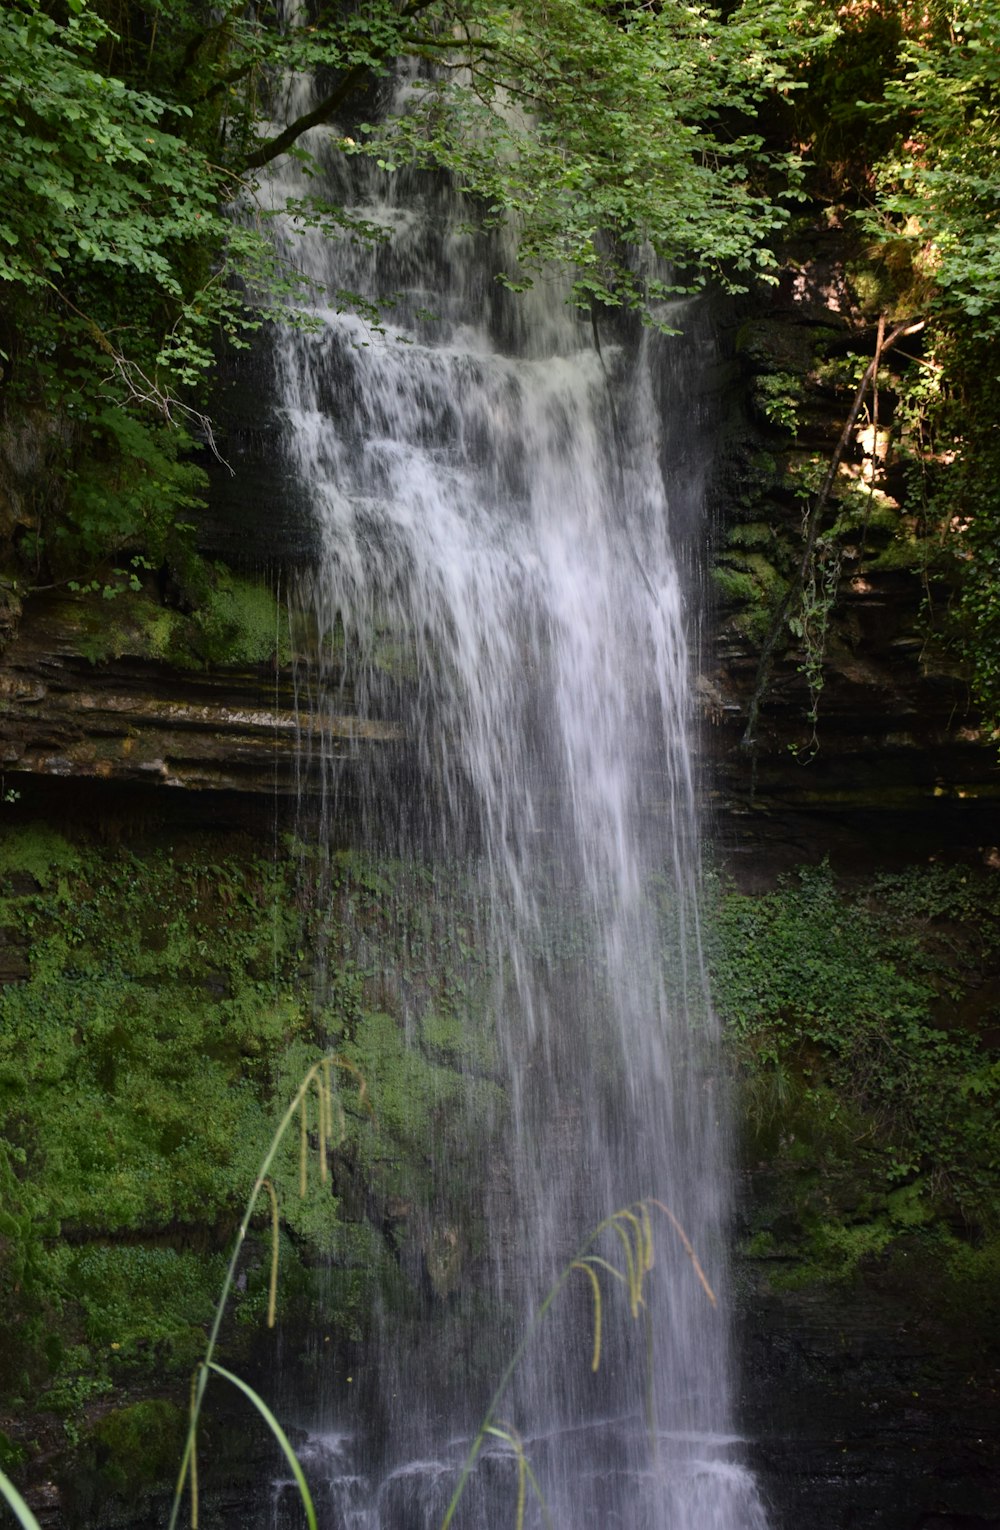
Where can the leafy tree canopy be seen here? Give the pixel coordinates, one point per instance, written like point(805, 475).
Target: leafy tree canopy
point(939, 188)
point(644, 146)
point(130, 130)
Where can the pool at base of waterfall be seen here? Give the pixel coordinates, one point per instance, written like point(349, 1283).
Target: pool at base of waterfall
point(572, 1479)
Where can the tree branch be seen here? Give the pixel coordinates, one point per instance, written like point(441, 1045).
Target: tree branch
point(271, 148)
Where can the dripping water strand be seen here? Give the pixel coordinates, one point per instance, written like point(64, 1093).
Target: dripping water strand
point(616, 430)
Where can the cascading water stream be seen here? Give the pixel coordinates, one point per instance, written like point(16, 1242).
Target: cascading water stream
point(489, 497)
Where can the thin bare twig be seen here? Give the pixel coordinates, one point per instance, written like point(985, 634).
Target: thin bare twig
point(812, 525)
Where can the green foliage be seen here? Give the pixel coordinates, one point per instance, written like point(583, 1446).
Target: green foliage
point(946, 526)
point(131, 489)
point(844, 1007)
point(778, 396)
point(414, 1095)
point(630, 140)
point(941, 186)
point(90, 172)
point(123, 270)
point(137, 1300)
point(110, 226)
point(319, 1075)
point(169, 1004)
point(900, 119)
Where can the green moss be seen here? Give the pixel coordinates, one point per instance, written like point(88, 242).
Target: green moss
point(749, 581)
point(234, 622)
point(241, 622)
point(37, 851)
point(140, 1445)
point(170, 1011)
point(160, 635)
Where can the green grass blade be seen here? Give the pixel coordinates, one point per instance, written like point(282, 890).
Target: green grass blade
point(17, 1503)
point(539, 1495)
point(227, 1284)
point(279, 1435)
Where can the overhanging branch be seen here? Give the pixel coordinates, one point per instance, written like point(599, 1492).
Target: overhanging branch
point(273, 148)
point(356, 76)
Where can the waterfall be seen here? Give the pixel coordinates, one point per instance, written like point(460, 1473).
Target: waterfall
point(495, 576)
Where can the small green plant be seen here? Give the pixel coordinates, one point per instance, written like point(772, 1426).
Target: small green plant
point(318, 1081)
point(810, 623)
point(632, 1226)
point(778, 396)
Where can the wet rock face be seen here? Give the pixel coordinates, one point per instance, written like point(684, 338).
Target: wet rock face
point(859, 1418)
point(33, 450)
point(899, 753)
point(128, 719)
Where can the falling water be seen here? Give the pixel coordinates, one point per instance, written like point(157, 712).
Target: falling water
point(489, 489)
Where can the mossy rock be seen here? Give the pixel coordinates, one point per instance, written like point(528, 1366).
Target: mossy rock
point(137, 1448)
point(237, 622)
point(774, 345)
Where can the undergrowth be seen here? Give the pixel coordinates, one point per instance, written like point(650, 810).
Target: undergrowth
point(864, 1023)
point(169, 996)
